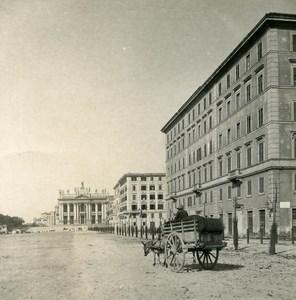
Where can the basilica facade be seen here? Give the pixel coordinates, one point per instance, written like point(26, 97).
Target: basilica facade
point(83, 207)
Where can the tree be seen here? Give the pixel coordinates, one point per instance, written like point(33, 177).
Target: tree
point(11, 222)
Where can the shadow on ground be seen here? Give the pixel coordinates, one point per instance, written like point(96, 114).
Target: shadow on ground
point(218, 267)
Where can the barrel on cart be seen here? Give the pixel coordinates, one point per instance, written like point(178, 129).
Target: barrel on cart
point(201, 236)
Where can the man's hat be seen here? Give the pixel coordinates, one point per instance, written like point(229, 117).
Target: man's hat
point(181, 206)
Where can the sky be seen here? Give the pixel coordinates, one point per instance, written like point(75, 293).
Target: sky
point(87, 85)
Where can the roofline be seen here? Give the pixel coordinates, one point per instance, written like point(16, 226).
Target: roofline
point(139, 175)
point(260, 25)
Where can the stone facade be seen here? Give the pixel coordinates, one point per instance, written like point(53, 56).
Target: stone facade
point(233, 142)
point(139, 200)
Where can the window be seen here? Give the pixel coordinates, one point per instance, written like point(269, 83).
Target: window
point(152, 187)
point(261, 151)
point(248, 91)
point(249, 187)
point(143, 197)
point(228, 81)
point(143, 178)
point(205, 103)
point(220, 165)
point(205, 174)
point(238, 130)
point(261, 185)
point(249, 156)
point(237, 100)
point(134, 197)
point(210, 98)
point(160, 206)
point(249, 127)
point(294, 111)
point(210, 122)
point(229, 192)
point(259, 51)
point(221, 194)
point(220, 114)
point(211, 147)
point(228, 108)
point(198, 109)
point(228, 163)
point(228, 136)
point(206, 197)
point(260, 117)
point(220, 141)
point(248, 62)
point(259, 83)
point(65, 208)
point(205, 150)
point(152, 206)
point(238, 160)
point(211, 171)
point(205, 126)
point(134, 178)
point(143, 187)
point(134, 187)
point(294, 75)
point(294, 42)
point(189, 118)
point(237, 72)
point(211, 196)
point(219, 89)
point(189, 180)
point(239, 191)
point(134, 207)
point(189, 201)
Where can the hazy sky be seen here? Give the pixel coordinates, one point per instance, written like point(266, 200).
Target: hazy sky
point(86, 86)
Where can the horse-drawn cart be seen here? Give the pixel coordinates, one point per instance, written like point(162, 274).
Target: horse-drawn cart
point(199, 235)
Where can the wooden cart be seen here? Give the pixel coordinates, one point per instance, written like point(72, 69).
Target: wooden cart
point(201, 236)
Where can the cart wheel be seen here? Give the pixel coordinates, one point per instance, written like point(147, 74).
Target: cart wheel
point(174, 252)
point(207, 258)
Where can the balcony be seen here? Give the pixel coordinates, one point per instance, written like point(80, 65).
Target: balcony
point(173, 196)
point(197, 189)
point(234, 176)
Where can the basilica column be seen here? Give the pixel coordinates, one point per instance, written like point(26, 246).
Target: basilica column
point(89, 213)
point(96, 210)
point(61, 212)
point(75, 213)
point(68, 213)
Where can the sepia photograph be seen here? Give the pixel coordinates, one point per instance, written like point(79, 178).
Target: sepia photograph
point(148, 149)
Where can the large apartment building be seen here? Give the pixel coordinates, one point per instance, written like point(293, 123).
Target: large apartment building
point(233, 142)
point(139, 199)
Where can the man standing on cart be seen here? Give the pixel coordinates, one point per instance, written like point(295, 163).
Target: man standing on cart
point(181, 213)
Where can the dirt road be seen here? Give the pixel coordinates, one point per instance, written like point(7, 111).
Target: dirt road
point(92, 265)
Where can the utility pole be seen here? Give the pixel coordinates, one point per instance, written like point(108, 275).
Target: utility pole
point(235, 230)
point(273, 230)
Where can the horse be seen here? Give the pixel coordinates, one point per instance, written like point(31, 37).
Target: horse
point(157, 247)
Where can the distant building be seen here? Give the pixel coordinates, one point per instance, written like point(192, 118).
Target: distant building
point(46, 219)
point(139, 200)
point(83, 207)
point(233, 142)
point(3, 229)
